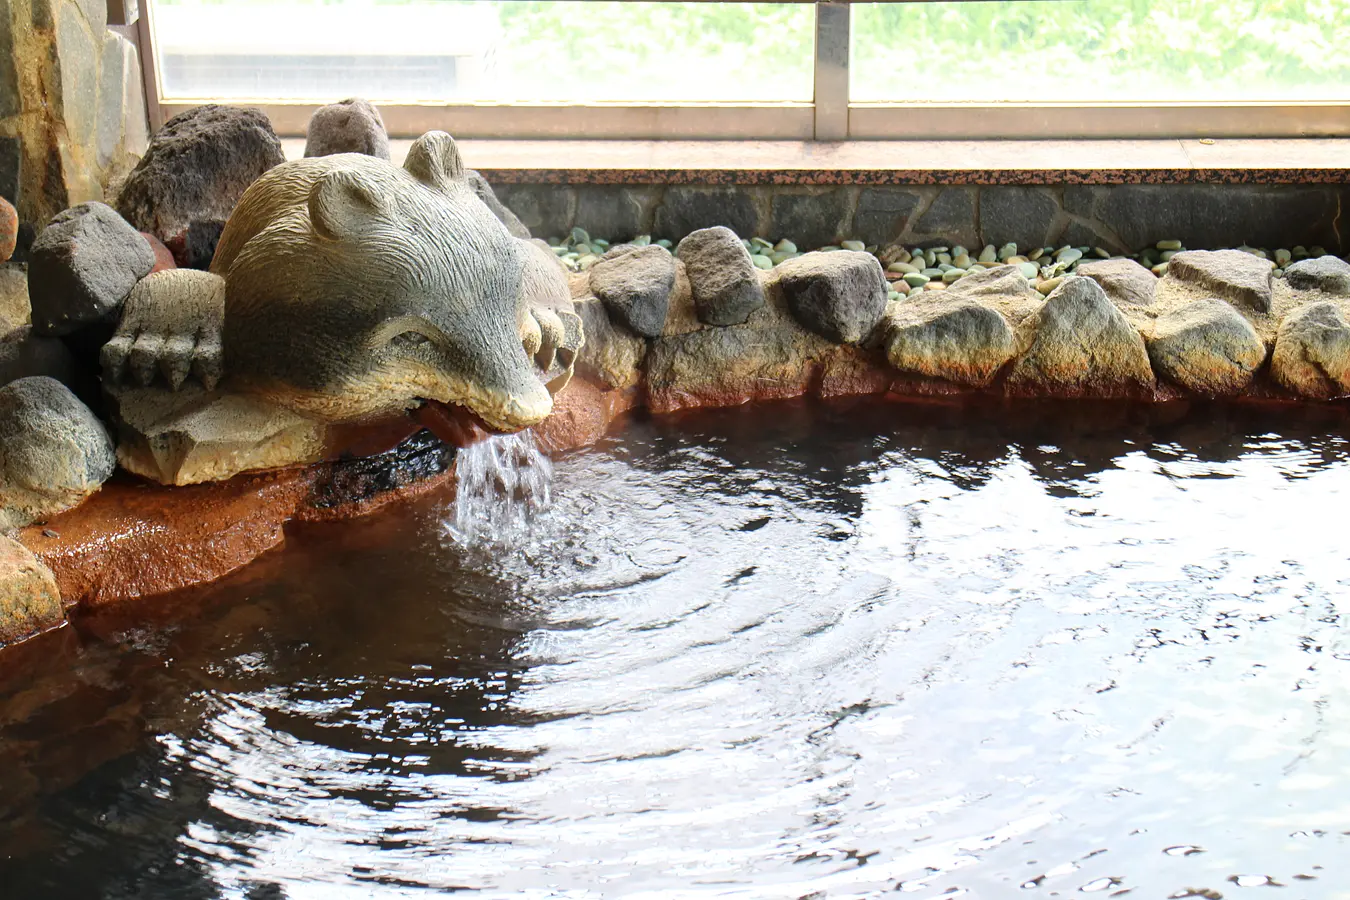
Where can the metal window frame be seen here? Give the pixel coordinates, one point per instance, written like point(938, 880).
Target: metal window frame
point(829, 117)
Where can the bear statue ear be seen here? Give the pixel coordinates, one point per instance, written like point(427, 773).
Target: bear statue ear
point(433, 159)
point(343, 203)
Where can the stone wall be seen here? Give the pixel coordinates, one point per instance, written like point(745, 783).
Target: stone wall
point(72, 107)
point(1121, 218)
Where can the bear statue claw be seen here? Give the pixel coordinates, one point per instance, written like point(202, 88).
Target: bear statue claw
point(170, 328)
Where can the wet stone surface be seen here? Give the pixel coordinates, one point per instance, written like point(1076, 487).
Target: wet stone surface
point(798, 650)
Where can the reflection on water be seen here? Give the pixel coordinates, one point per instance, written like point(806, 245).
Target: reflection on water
point(783, 652)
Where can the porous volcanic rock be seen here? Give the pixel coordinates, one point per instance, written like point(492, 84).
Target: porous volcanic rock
point(84, 263)
point(53, 451)
point(164, 258)
point(840, 295)
point(24, 354)
point(611, 353)
point(348, 126)
point(1206, 347)
point(1237, 276)
point(1312, 351)
point(1125, 281)
point(635, 288)
point(29, 600)
point(1083, 346)
point(195, 170)
point(955, 338)
point(725, 283)
point(1329, 274)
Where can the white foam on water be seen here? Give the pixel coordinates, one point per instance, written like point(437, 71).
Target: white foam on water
point(502, 484)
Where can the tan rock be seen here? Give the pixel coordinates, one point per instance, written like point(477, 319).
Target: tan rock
point(1206, 347)
point(29, 600)
point(951, 337)
point(14, 309)
point(1125, 281)
point(769, 357)
point(1312, 351)
point(1235, 275)
point(1083, 346)
point(611, 353)
point(194, 435)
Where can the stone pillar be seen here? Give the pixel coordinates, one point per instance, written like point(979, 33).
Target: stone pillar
point(72, 106)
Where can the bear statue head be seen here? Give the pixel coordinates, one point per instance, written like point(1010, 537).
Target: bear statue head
point(355, 289)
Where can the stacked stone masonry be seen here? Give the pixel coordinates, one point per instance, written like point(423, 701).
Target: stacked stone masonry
point(1120, 218)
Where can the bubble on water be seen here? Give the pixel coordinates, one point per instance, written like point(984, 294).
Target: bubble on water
point(502, 484)
point(1100, 884)
point(1184, 850)
point(1253, 881)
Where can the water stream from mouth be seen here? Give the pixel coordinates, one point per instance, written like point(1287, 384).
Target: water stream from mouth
point(501, 484)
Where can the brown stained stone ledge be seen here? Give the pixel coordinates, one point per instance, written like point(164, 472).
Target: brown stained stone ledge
point(1103, 162)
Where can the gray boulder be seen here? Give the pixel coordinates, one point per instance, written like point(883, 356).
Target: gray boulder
point(635, 288)
point(1206, 347)
point(504, 215)
point(954, 338)
point(1237, 276)
point(23, 354)
point(1329, 274)
point(83, 266)
point(1312, 351)
point(350, 126)
point(725, 283)
point(195, 170)
point(53, 451)
point(1083, 347)
point(1125, 281)
point(840, 295)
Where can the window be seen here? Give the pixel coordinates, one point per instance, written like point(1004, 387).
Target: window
point(784, 70)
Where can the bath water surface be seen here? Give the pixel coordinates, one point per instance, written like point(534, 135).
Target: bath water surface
point(788, 651)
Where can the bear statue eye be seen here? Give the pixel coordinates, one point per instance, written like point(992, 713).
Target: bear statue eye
point(410, 339)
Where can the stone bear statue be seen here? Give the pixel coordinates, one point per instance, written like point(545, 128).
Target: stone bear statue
point(355, 289)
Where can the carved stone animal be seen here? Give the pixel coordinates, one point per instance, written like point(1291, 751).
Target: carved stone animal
point(355, 289)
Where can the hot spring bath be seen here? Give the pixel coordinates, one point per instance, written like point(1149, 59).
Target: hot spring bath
point(804, 649)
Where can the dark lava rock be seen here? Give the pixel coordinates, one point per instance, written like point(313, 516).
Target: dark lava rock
point(24, 354)
point(350, 126)
point(196, 168)
point(345, 481)
point(840, 295)
point(1329, 274)
point(725, 283)
point(195, 246)
point(83, 266)
point(635, 288)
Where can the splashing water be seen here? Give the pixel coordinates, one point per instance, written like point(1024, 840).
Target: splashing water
point(503, 482)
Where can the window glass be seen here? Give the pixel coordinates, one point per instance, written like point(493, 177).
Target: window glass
point(1151, 51)
point(564, 51)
